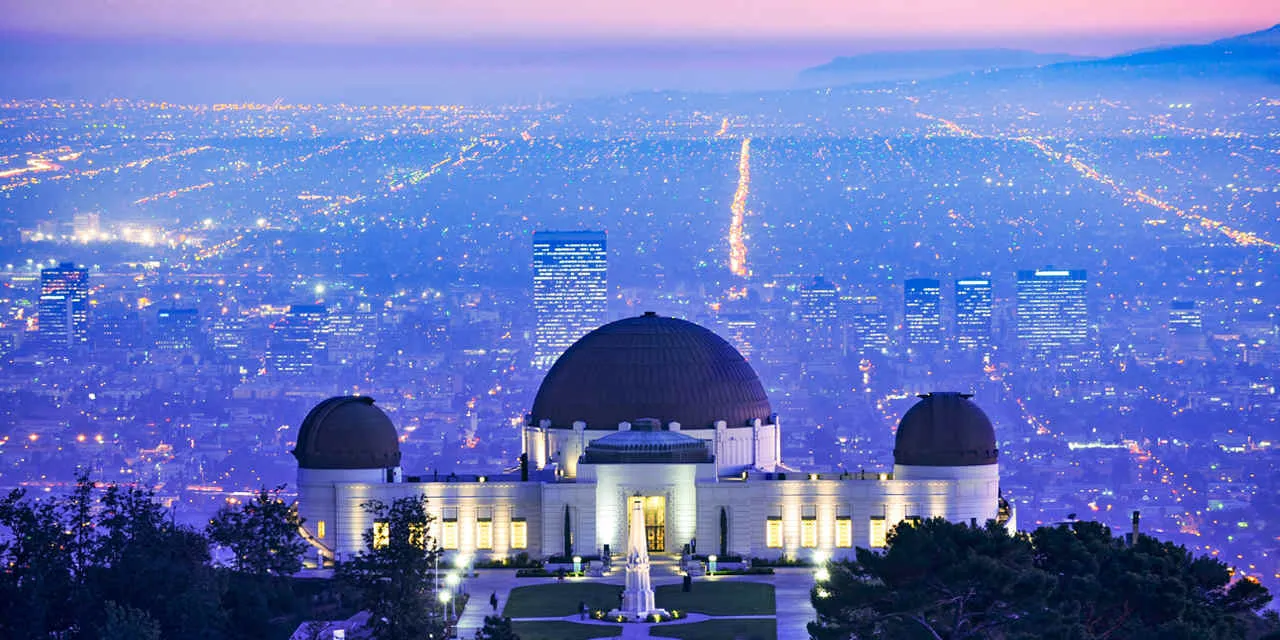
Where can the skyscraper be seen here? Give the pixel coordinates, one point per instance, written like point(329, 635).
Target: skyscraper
point(973, 314)
point(1186, 330)
point(819, 302)
point(570, 293)
point(870, 331)
point(177, 329)
point(1053, 316)
point(298, 340)
point(819, 308)
point(64, 306)
point(923, 317)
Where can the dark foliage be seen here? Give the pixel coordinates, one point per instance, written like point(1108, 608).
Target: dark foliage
point(943, 581)
point(110, 562)
point(396, 575)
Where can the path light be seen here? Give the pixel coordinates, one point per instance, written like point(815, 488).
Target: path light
point(577, 564)
point(820, 559)
point(711, 563)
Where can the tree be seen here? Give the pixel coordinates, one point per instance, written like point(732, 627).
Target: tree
point(37, 584)
point(496, 628)
point(1152, 589)
point(568, 534)
point(145, 560)
point(936, 580)
point(127, 623)
point(262, 533)
point(395, 574)
point(724, 532)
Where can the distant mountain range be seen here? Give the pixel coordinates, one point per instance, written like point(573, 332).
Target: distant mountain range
point(1252, 55)
point(916, 65)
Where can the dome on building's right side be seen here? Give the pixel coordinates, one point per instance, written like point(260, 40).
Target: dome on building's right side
point(945, 429)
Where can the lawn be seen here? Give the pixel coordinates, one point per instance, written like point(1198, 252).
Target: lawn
point(564, 630)
point(758, 629)
point(719, 598)
point(561, 599)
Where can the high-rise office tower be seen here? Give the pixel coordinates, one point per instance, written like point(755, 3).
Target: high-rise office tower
point(870, 331)
point(570, 290)
point(819, 302)
point(819, 308)
point(973, 314)
point(1186, 330)
point(228, 337)
point(1184, 318)
point(740, 329)
point(1053, 316)
point(64, 306)
point(177, 329)
point(923, 317)
point(298, 340)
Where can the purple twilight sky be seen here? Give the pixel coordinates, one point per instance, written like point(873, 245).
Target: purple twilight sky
point(987, 21)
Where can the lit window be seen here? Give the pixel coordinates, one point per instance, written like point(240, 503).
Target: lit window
point(484, 534)
point(844, 532)
point(381, 535)
point(809, 532)
point(773, 533)
point(418, 535)
point(320, 530)
point(450, 537)
point(879, 532)
point(519, 534)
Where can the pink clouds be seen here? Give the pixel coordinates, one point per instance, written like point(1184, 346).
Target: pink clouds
point(364, 19)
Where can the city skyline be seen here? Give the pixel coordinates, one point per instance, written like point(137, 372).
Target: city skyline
point(205, 258)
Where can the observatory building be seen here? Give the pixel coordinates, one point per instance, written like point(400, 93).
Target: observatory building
point(664, 410)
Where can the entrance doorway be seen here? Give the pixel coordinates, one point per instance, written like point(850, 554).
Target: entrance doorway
point(655, 522)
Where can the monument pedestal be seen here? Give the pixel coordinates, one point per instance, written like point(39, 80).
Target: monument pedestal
point(637, 595)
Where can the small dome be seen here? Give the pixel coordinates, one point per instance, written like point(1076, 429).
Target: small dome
point(945, 429)
point(651, 367)
point(642, 446)
point(347, 432)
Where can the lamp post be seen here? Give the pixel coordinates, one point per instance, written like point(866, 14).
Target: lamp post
point(446, 598)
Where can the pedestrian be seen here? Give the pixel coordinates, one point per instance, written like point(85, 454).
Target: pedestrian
point(493, 600)
point(582, 610)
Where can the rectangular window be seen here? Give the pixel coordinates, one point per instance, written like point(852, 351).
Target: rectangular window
point(879, 532)
point(773, 533)
point(484, 534)
point(519, 534)
point(320, 530)
point(809, 532)
point(381, 535)
point(418, 535)
point(449, 537)
point(844, 532)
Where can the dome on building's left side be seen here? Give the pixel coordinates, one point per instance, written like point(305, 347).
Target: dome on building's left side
point(347, 432)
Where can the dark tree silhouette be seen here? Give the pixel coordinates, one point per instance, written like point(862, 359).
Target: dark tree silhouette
point(396, 573)
point(943, 581)
point(262, 533)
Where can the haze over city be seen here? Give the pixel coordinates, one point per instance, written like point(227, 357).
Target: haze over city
point(1057, 225)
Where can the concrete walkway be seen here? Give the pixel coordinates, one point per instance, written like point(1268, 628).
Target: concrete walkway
point(790, 585)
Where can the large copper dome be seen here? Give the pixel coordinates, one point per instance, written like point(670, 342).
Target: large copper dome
point(347, 432)
point(945, 429)
point(651, 367)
